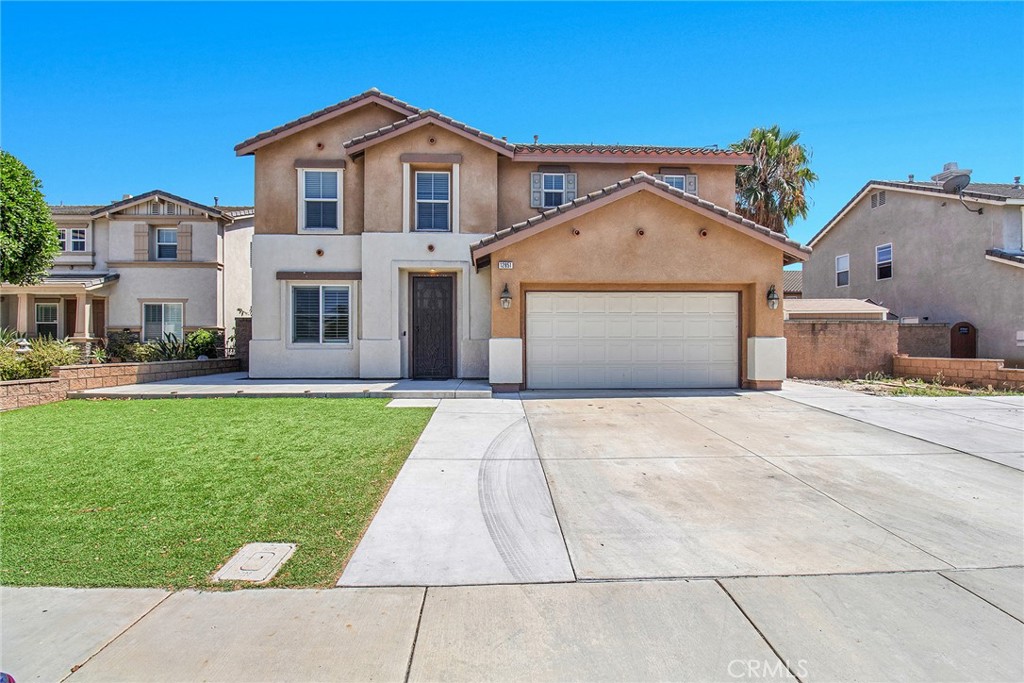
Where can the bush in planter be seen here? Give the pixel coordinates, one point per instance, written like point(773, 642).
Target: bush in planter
point(121, 344)
point(45, 355)
point(204, 343)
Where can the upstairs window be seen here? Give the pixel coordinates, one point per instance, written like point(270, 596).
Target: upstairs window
point(554, 189)
point(686, 183)
point(550, 189)
point(843, 270)
point(160, 319)
point(433, 201)
point(320, 201)
point(71, 239)
point(883, 262)
point(46, 320)
point(166, 244)
point(320, 315)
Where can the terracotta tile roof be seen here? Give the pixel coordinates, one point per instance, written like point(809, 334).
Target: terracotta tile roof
point(1017, 256)
point(73, 209)
point(624, 150)
point(428, 115)
point(792, 281)
point(640, 178)
point(372, 92)
point(153, 193)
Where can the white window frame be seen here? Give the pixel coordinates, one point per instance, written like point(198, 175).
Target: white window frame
point(66, 238)
point(163, 319)
point(56, 317)
point(166, 244)
point(300, 212)
point(342, 344)
point(417, 201)
point(544, 191)
point(879, 264)
point(846, 270)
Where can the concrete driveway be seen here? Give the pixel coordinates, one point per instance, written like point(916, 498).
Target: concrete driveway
point(554, 487)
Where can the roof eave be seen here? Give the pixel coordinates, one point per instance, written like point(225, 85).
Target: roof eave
point(249, 146)
point(621, 158)
point(354, 148)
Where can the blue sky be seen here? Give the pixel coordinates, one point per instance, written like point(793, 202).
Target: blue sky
point(106, 99)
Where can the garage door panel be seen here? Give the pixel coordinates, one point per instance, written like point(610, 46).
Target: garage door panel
point(632, 340)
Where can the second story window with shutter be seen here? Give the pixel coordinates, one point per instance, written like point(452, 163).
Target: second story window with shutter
point(548, 190)
point(166, 244)
point(433, 201)
point(320, 200)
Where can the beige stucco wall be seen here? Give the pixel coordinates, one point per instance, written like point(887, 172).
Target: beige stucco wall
point(608, 254)
point(276, 189)
point(237, 269)
point(940, 273)
point(197, 287)
point(715, 183)
point(478, 179)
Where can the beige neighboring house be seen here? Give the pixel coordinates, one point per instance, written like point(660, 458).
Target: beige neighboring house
point(833, 309)
point(393, 242)
point(930, 255)
point(151, 263)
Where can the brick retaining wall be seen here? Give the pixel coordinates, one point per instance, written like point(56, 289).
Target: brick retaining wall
point(839, 349)
point(979, 372)
point(33, 392)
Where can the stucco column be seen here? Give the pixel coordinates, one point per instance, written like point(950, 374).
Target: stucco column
point(81, 314)
point(22, 319)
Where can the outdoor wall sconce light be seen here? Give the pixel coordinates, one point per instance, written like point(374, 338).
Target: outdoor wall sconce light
point(505, 298)
point(773, 298)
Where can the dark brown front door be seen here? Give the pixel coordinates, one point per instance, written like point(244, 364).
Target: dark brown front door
point(963, 341)
point(99, 318)
point(433, 326)
point(70, 317)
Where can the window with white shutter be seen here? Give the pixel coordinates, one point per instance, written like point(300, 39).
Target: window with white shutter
point(433, 201)
point(162, 319)
point(320, 206)
point(321, 314)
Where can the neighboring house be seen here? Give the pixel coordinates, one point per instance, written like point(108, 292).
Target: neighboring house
point(924, 254)
point(833, 309)
point(792, 284)
point(152, 264)
point(396, 242)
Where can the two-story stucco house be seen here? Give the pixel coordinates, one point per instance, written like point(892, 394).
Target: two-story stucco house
point(396, 242)
point(153, 263)
point(933, 255)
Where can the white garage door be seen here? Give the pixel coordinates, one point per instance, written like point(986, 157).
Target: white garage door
point(632, 340)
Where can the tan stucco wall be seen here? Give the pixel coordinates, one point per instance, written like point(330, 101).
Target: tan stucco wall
point(276, 179)
point(715, 183)
point(478, 179)
point(608, 254)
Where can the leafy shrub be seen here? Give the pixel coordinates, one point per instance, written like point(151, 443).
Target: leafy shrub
point(11, 366)
point(120, 344)
point(99, 354)
point(8, 336)
point(45, 355)
point(168, 348)
point(204, 343)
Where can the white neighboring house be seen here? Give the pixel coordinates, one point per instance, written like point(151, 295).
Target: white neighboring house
point(151, 264)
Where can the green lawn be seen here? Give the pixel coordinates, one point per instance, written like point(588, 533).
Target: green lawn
point(162, 492)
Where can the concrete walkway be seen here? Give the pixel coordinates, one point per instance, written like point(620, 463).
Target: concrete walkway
point(238, 384)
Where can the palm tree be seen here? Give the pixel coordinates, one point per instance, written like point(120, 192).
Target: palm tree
point(772, 191)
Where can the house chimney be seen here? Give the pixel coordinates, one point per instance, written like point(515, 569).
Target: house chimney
point(910, 177)
point(536, 139)
point(216, 201)
point(1016, 181)
point(949, 170)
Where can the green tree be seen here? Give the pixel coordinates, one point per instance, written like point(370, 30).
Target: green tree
point(28, 235)
point(772, 191)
